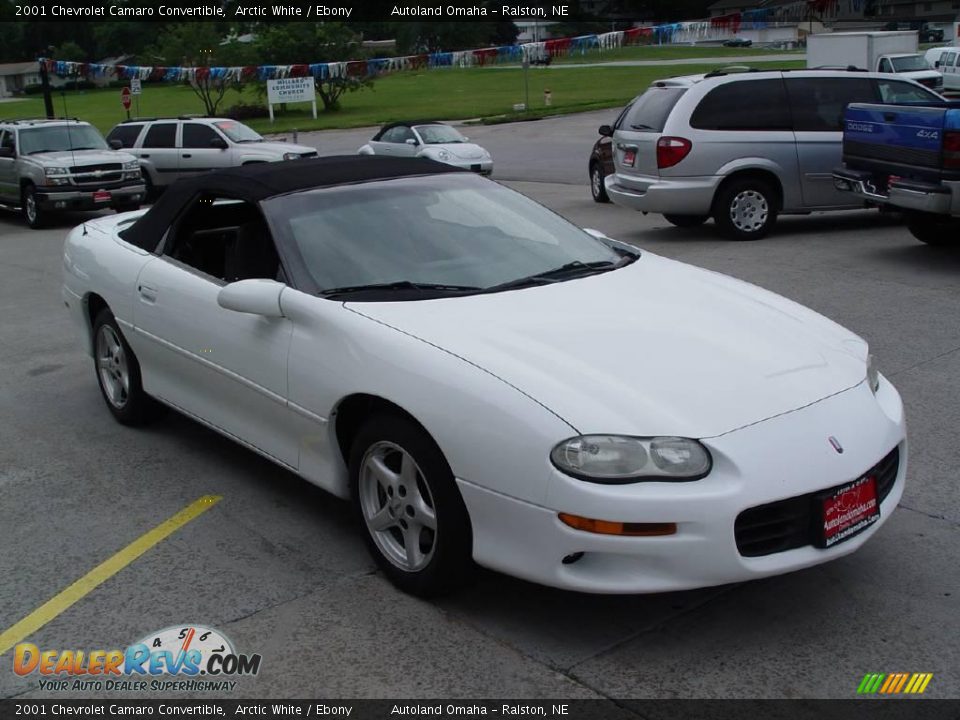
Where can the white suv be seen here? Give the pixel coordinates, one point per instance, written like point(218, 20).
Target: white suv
point(172, 148)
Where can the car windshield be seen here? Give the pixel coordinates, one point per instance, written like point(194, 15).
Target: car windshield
point(444, 234)
point(238, 132)
point(909, 63)
point(57, 138)
point(436, 134)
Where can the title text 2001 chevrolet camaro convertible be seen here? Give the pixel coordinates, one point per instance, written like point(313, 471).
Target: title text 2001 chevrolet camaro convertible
point(489, 383)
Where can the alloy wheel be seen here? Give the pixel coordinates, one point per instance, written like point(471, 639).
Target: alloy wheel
point(112, 367)
point(397, 506)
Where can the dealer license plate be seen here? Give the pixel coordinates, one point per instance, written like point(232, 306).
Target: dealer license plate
point(101, 196)
point(848, 510)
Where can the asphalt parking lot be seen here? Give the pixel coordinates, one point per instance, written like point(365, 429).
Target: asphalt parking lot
point(279, 567)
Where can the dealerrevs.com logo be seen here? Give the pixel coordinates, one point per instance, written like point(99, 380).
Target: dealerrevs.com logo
point(178, 658)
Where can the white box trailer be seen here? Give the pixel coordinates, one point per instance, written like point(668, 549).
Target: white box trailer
point(893, 51)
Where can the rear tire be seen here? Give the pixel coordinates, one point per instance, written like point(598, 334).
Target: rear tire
point(118, 374)
point(936, 230)
point(150, 192)
point(413, 518)
point(746, 209)
point(686, 221)
point(597, 188)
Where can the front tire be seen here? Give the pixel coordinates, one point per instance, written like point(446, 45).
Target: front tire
point(118, 374)
point(936, 230)
point(35, 217)
point(686, 221)
point(746, 209)
point(597, 189)
point(415, 523)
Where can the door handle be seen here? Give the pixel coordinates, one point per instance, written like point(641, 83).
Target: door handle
point(147, 293)
point(889, 116)
point(143, 155)
point(187, 155)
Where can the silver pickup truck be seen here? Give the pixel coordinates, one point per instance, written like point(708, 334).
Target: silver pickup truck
point(49, 166)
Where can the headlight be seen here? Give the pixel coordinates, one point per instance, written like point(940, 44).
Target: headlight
point(131, 166)
point(55, 171)
point(443, 155)
point(291, 156)
point(618, 459)
point(873, 374)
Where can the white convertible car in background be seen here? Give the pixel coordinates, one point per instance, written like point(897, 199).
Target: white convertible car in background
point(430, 140)
point(488, 382)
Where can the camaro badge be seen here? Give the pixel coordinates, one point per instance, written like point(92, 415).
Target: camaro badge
point(836, 444)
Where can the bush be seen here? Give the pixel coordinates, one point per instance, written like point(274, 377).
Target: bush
point(246, 111)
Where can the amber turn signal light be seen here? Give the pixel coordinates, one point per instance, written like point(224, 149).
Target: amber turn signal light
point(606, 527)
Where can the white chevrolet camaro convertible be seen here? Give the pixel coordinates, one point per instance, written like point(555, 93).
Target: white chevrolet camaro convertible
point(488, 383)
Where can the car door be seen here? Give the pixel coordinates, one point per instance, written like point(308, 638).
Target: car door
point(950, 67)
point(389, 142)
point(158, 149)
point(227, 368)
point(9, 187)
point(196, 153)
point(817, 105)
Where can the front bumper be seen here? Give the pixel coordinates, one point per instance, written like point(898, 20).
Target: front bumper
point(941, 198)
point(784, 457)
point(483, 167)
point(678, 196)
point(60, 200)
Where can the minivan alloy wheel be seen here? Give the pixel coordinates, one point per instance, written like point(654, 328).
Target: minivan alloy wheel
point(749, 211)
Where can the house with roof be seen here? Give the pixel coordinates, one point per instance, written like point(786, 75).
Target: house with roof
point(14, 77)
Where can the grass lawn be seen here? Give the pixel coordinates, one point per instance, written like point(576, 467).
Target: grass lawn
point(448, 94)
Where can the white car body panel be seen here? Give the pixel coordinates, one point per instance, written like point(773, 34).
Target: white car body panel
point(655, 348)
point(725, 354)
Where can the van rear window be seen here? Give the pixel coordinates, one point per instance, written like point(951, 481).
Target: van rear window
point(651, 110)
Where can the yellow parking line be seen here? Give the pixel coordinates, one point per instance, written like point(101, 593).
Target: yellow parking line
point(102, 572)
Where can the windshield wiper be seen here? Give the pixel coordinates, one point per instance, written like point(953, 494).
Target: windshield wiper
point(641, 126)
point(571, 270)
point(398, 285)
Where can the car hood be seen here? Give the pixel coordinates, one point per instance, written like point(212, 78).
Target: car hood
point(275, 148)
point(655, 348)
point(464, 151)
point(80, 158)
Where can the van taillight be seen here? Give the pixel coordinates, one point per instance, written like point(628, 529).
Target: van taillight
point(671, 150)
point(951, 149)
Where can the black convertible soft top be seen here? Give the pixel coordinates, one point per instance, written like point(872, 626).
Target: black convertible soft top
point(254, 183)
point(405, 123)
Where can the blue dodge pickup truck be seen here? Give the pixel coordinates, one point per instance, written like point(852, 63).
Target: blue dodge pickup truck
point(906, 157)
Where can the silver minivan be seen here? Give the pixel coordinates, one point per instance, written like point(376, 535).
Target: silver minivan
point(741, 146)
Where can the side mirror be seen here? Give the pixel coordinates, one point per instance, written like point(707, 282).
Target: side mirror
point(116, 144)
point(256, 297)
point(218, 143)
point(6, 152)
point(411, 141)
point(606, 131)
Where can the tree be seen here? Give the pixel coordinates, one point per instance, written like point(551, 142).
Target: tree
point(201, 45)
point(305, 43)
point(70, 51)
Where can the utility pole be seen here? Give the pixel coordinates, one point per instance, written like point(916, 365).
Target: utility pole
point(45, 84)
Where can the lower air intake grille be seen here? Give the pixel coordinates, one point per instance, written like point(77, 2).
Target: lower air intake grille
point(791, 523)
